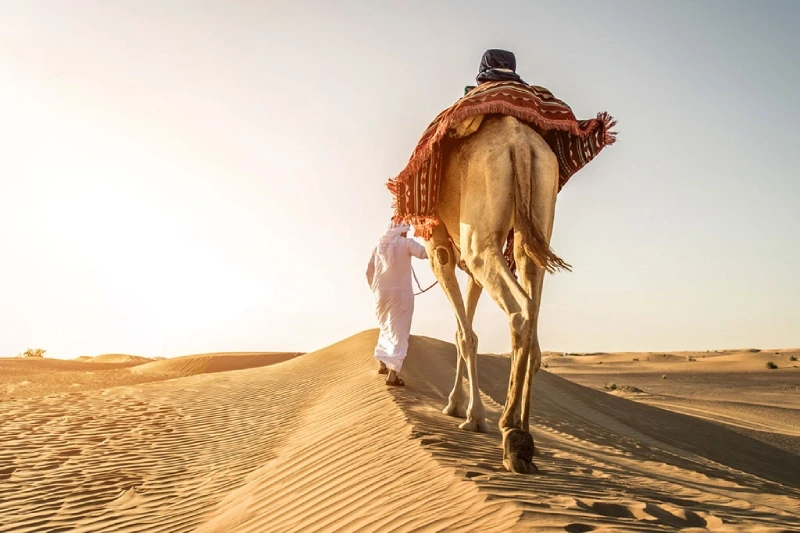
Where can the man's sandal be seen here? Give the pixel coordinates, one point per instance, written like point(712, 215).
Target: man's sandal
point(396, 383)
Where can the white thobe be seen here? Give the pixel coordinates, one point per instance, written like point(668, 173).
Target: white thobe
point(394, 300)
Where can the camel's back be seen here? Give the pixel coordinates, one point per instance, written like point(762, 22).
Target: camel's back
point(488, 150)
point(505, 132)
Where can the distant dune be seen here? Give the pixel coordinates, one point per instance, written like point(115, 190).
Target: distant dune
point(117, 358)
point(28, 378)
point(732, 387)
point(191, 365)
point(317, 442)
point(724, 360)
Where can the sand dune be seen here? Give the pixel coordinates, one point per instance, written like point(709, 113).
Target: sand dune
point(318, 443)
point(117, 358)
point(730, 387)
point(722, 361)
point(191, 365)
point(28, 378)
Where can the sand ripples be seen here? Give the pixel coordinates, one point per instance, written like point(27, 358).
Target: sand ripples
point(318, 443)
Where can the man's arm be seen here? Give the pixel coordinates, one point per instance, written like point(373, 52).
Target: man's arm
point(416, 249)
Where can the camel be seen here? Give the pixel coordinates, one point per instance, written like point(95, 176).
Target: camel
point(503, 176)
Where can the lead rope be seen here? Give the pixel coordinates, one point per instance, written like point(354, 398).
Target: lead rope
point(421, 290)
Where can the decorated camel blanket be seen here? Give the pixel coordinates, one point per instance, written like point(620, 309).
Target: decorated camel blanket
point(574, 142)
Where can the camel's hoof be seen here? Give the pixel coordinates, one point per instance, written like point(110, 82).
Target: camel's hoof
point(518, 450)
point(453, 409)
point(476, 425)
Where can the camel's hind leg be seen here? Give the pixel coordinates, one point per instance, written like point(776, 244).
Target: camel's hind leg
point(543, 167)
point(532, 279)
point(491, 270)
point(489, 196)
point(442, 260)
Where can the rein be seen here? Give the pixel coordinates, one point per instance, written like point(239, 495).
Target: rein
point(421, 290)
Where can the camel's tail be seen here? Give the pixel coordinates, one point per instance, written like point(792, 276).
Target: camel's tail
point(534, 242)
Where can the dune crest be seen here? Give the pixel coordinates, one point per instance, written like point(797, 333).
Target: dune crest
point(116, 358)
point(190, 365)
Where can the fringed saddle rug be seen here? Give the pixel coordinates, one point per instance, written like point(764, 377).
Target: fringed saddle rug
point(574, 142)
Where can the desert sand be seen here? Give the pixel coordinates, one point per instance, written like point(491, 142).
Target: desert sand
point(316, 442)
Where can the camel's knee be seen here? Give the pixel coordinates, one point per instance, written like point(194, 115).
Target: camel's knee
point(535, 351)
point(467, 342)
point(473, 261)
point(521, 325)
point(517, 321)
point(536, 363)
point(531, 311)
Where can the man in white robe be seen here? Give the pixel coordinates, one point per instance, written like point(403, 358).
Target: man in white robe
point(389, 277)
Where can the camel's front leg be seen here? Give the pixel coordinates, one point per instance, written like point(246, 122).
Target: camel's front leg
point(476, 413)
point(457, 400)
point(442, 258)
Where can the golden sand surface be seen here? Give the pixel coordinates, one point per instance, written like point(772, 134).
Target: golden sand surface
point(264, 442)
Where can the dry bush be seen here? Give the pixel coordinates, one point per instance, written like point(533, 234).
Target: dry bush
point(33, 352)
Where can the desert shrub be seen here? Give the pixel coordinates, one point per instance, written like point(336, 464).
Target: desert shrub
point(754, 350)
point(33, 352)
point(613, 386)
point(792, 358)
point(771, 365)
point(635, 358)
point(690, 358)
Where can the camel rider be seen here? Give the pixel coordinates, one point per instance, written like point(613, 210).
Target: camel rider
point(389, 277)
point(496, 65)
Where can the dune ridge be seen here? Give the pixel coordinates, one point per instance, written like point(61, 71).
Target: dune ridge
point(190, 365)
point(318, 443)
point(117, 358)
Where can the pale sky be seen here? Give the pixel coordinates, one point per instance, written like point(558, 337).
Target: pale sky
point(186, 177)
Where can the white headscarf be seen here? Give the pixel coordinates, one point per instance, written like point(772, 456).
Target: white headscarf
point(388, 241)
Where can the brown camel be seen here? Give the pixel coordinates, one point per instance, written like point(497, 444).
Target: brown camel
point(502, 176)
